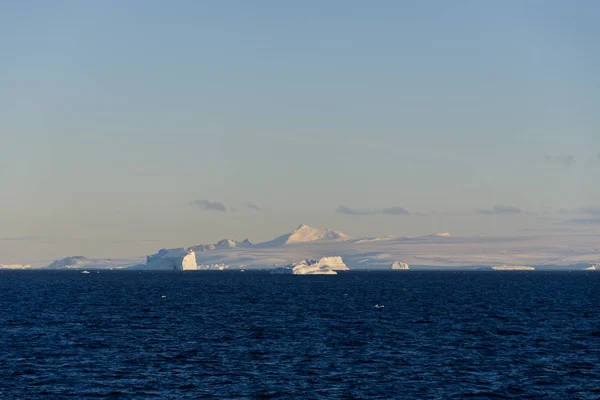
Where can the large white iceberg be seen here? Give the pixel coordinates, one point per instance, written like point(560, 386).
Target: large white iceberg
point(399, 266)
point(172, 260)
point(594, 267)
point(324, 266)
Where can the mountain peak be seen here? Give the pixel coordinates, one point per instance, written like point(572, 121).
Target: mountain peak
point(305, 233)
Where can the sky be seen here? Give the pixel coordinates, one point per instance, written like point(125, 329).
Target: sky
point(130, 126)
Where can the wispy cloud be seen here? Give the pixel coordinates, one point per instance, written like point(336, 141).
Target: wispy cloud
point(583, 221)
point(395, 211)
point(500, 210)
point(251, 205)
point(354, 211)
point(565, 159)
point(386, 211)
point(588, 210)
point(588, 215)
point(20, 238)
point(209, 205)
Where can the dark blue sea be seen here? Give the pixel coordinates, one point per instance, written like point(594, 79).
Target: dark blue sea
point(439, 335)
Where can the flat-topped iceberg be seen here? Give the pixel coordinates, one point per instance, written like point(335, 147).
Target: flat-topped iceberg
point(172, 260)
point(323, 266)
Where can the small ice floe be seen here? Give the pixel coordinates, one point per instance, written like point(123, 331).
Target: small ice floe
point(85, 272)
point(379, 306)
point(163, 296)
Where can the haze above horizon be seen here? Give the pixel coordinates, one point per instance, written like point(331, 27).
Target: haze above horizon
point(130, 126)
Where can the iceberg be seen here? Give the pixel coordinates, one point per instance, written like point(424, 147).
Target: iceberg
point(172, 260)
point(323, 266)
point(399, 266)
point(212, 267)
point(594, 267)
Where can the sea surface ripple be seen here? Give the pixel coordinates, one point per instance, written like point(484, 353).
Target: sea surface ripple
point(439, 335)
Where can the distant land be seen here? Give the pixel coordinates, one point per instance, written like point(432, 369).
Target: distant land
point(438, 251)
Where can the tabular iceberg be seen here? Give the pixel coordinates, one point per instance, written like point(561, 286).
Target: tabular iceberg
point(172, 260)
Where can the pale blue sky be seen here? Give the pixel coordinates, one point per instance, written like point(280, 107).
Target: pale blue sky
point(116, 116)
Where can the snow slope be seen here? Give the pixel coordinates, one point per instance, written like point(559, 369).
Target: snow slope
point(573, 251)
point(15, 266)
point(306, 234)
point(221, 244)
point(79, 262)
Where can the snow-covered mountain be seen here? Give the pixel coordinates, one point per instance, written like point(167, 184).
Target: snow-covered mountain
point(376, 253)
point(221, 244)
point(306, 234)
point(229, 244)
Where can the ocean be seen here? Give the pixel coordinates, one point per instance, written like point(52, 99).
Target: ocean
point(246, 335)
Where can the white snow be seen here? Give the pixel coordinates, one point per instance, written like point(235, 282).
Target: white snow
point(212, 267)
point(172, 260)
point(370, 253)
point(15, 266)
point(306, 234)
point(324, 266)
point(79, 262)
point(399, 266)
point(221, 244)
point(375, 239)
point(512, 268)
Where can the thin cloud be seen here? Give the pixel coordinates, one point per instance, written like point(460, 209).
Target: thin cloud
point(565, 159)
point(251, 206)
point(594, 211)
point(583, 221)
point(385, 211)
point(395, 211)
point(20, 238)
point(209, 205)
point(354, 211)
point(500, 210)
